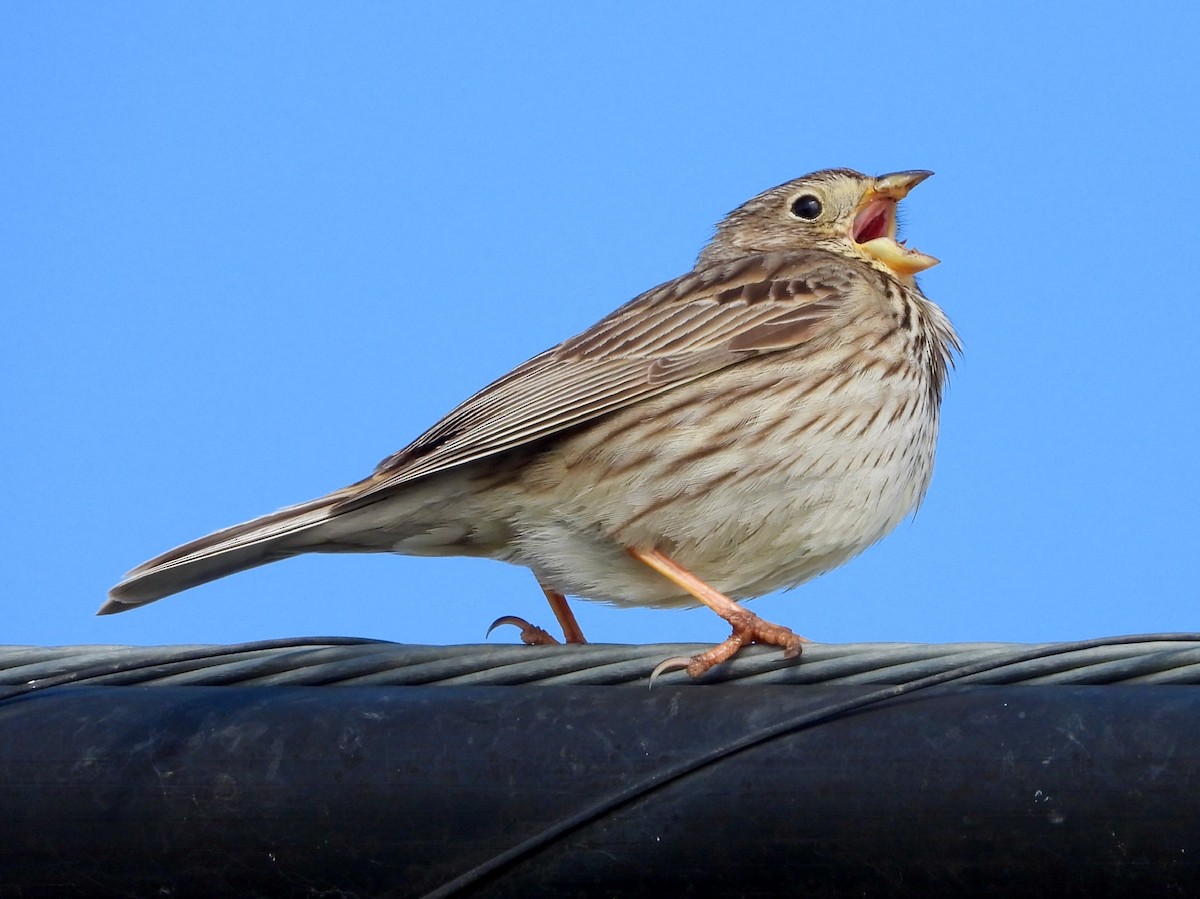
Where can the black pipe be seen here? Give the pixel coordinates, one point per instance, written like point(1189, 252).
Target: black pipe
point(966, 791)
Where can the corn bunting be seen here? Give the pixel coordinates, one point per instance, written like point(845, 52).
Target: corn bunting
point(743, 428)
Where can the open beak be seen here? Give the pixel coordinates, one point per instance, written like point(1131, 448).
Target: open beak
point(874, 228)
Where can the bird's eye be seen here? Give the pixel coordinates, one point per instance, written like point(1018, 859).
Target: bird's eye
point(806, 207)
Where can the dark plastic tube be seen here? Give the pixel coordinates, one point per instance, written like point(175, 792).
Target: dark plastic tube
point(983, 791)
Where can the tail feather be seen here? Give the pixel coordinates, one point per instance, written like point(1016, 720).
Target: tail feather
point(248, 545)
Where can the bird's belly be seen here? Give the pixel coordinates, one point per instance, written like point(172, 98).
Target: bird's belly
point(752, 493)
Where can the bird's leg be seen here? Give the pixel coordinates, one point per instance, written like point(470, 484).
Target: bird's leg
point(572, 633)
point(532, 635)
point(747, 627)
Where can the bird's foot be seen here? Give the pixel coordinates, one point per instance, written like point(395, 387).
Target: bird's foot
point(531, 634)
point(747, 628)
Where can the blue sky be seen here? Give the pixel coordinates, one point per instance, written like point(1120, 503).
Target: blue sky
point(248, 250)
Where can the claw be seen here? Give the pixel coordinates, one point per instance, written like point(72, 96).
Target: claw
point(672, 664)
point(531, 634)
point(506, 619)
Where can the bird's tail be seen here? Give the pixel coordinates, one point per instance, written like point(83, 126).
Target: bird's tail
point(279, 535)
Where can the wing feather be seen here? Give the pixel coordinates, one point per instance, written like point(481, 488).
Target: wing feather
point(680, 331)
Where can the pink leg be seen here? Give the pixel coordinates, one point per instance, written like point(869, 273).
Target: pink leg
point(747, 627)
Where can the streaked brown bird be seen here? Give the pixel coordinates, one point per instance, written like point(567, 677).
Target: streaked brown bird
point(740, 429)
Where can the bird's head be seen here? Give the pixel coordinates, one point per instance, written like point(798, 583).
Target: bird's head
point(839, 210)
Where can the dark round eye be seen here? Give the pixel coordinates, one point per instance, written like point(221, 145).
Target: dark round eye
point(806, 207)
